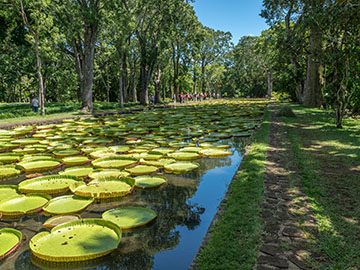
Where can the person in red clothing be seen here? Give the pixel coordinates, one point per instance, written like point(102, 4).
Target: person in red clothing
point(181, 97)
point(186, 97)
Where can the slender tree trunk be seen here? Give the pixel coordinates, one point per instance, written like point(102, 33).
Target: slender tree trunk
point(313, 95)
point(144, 83)
point(78, 67)
point(40, 77)
point(270, 83)
point(121, 93)
point(203, 88)
point(157, 82)
point(88, 67)
point(125, 78)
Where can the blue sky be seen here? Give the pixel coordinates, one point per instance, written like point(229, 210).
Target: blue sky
point(240, 17)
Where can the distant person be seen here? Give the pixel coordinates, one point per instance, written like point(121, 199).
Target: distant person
point(181, 97)
point(153, 100)
point(35, 104)
point(174, 98)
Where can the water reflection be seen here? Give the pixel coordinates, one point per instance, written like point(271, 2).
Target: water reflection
point(185, 208)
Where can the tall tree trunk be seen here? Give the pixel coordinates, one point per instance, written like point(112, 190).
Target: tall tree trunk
point(144, 83)
point(125, 77)
point(121, 92)
point(203, 87)
point(313, 95)
point(88, 67)
point(78, 67)
point(270, 83)
point(157, 82)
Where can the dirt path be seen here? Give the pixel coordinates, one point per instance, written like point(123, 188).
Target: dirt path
point(286, 210)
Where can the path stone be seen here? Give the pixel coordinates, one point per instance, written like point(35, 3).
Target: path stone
point(284, 208)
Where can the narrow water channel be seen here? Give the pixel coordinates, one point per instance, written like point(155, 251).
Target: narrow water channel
point(185, 208)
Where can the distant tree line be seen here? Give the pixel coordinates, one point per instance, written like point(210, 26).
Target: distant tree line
point(311, 53)
point(81, 50)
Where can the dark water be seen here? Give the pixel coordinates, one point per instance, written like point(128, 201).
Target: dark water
point(185, 208)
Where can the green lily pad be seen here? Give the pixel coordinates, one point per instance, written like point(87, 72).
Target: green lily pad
point(67, 204)
point(26, 141)
point(10, 240)
point(130, 217)
point(214, 153)
point(79, 240)
point(193, 149)
point(164, 150)
point(149, 181)
point(58, 220)
point(104, 188)
point(23, 204)
point(49, 184)
point(158, 163)
point(66, 152)
point(152, 155)
point(114, 162)
point(80, 172)
point(184, 155)
point(6, 158)
point(7, 191)
point(215, 145)
point(142, 169)
point(106, 173)
point(76, 160)
point(40, 165)
point(7, 171)
point(243, 134)
point(181, 167)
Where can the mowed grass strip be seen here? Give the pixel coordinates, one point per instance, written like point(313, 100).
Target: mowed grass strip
point(329, 164)
point(235, 238)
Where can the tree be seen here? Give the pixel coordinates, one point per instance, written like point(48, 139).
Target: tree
point(80, 21)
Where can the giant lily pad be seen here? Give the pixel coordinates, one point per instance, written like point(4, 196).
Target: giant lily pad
point(67, 204)
point(10, 240)
point(7, 191)
point(58, 220)
point(79, 240)
point(23, 204)
point(184, 155)
point(104, 188)
point(114, 162)
point(106, 173)
point(80, 172)
point(142, 169)
point(66, 152)
point(49, 184)
point(130, 217)
point(214, 153)
point(40, 165)
point(8, 171)
point(149, 181)
point(181, 167)
point(76, 160)
point(6, 158)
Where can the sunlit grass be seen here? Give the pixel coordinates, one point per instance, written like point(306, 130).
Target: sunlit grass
point(236, 237)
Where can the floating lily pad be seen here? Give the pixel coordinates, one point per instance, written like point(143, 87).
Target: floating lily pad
point(215, 145)
point(66, 152)
point(130, 217)
point(6, 158)
point(80, 172)
point(152, 155)
point(58, 220)
point(79, 240)
point(67, 204)
point(49, 184)
point(158, 163)
point(214, 153)
point(40, 165)
point(114, 162)
point(10, 240)
point(104, 188)
point(7, 191)
point(26, 141)
point(142, 169)
point(106, 173)
point(77, 160)
point(7, 171)
point(193, 149)
point(149, 181)
point(244, 134)
point(184, 155)
point(181, 167)
point(23, 204)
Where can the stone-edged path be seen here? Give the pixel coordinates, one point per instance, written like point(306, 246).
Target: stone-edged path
point(286, 211)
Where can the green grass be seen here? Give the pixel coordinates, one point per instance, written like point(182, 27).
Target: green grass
point(236, 237)
point(328, 160)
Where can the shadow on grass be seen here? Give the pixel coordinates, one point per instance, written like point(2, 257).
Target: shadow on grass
point(328, 158)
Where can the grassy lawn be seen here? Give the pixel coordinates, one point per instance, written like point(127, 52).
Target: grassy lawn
point(235, 238)
point(329, 164)
point(18, 112)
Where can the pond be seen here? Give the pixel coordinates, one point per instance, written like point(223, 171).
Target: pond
point(185, 207)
